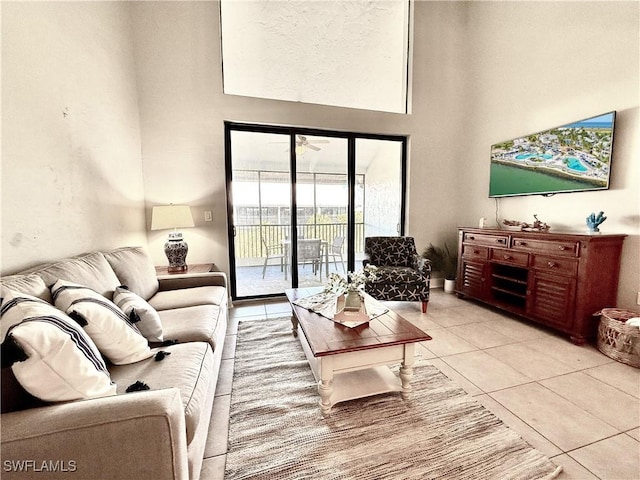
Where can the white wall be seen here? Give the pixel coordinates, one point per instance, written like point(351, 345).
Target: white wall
point(182, 111)
point(482, 72)
point(536, 65)
point(71, 167)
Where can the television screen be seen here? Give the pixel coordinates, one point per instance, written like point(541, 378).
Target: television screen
point(571, 158)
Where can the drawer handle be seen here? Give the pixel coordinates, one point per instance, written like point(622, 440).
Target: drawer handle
point(522, 244)
point(507, 257)
point(476, 252)
point(552, 264)
point(500, 240)
point(471, 237)
point(561, 247)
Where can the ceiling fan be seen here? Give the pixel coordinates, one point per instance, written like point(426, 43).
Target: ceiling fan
point(302, 143)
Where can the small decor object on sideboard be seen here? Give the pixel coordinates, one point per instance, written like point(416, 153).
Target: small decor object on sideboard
point(594, 221)
point(536, 226)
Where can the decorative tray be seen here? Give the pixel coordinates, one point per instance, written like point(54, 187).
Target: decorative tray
point(331, 306)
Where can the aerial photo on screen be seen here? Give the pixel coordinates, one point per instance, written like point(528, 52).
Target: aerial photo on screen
point(572, 157)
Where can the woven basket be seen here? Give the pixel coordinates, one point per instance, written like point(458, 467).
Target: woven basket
point(615, 339)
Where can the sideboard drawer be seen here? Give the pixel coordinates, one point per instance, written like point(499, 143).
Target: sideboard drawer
point(486, 239)
point(500, 255)
point(563, 266)
point(554, 247)
point(476, 252)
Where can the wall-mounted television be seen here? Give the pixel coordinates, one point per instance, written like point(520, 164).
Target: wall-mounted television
point(575, 157)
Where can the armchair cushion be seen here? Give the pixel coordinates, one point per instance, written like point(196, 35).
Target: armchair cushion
point(398, 275)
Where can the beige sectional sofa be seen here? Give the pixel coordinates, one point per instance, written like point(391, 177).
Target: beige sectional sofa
point(159, 433)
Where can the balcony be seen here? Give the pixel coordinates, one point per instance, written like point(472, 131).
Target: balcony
point(251, 253)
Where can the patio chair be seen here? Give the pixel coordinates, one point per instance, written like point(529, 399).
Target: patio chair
point(310, 251)
point(402, 274)
point(272, 251)
point(335, 251)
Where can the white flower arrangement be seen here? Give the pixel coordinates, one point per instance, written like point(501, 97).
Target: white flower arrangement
point(339, 285)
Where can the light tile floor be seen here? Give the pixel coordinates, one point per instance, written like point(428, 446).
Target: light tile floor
point(572, 403)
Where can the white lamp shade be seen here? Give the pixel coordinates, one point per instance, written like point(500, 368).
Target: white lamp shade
point(171, 216)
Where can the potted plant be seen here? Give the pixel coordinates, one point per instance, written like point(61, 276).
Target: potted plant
point(352, 286)
point(445, 261)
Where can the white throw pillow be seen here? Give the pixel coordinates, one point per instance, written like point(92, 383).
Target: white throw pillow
point(54, 359)
point(139, 312)
point(117, 338)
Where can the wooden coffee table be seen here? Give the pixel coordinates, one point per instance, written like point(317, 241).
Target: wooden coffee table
point(351, 363)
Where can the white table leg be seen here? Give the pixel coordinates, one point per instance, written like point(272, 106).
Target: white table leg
point(406, 370)
point(325, 384)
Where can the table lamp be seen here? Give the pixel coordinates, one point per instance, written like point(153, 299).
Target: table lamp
point(173, 216)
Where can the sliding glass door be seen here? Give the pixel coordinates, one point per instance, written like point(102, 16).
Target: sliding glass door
point(341, 186)
point(322, 205)
point(381, 163)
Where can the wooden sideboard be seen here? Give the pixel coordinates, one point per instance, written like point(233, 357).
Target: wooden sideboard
point(556, 279)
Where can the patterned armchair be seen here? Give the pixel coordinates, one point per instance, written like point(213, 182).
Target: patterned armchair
point(402, 274)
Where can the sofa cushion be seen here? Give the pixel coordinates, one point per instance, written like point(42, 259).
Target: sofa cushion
point(117, 338)
point(134, 268)
point(189, 297)
point(31, 284)
point(54, 359)
point(134, 306)
point(189, 367)
point(91, 270)
point(191, 324)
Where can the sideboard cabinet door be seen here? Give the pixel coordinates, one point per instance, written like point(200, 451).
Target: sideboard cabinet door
point(472, 278)
point(551, 298)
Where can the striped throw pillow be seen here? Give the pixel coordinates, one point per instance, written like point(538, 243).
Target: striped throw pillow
point(50, 355)
point(109, 328)
point(139, 312)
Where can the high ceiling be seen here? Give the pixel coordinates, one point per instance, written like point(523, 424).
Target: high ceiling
point(349, 53)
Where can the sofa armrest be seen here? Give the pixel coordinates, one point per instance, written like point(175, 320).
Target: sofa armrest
point(134, 435)
point(190, 280)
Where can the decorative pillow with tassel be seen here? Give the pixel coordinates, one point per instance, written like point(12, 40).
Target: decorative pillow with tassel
point(115, 336)
point(143, 315)
point(49, 353)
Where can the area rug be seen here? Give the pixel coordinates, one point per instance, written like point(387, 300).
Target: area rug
point(276, 430)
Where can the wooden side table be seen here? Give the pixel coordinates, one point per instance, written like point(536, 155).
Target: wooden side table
point(195, 268)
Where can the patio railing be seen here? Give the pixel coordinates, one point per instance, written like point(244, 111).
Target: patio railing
point(248, 240)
